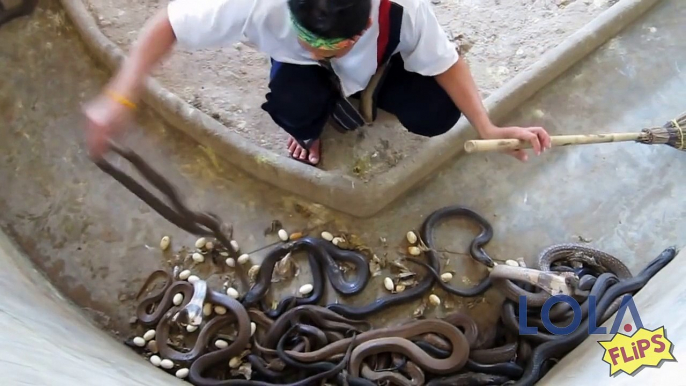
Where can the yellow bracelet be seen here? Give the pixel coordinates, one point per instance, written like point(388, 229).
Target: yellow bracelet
point(120, 99)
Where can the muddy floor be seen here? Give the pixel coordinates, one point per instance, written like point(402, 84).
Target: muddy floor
point(499, 39)
point(97, 242)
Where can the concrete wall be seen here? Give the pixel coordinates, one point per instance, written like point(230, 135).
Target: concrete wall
point(46, 341)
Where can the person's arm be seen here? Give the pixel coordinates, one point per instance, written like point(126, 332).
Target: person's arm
point(458, 82)
point(190, 23)
point(428, 51)
point(155, 41)
point(110, 111)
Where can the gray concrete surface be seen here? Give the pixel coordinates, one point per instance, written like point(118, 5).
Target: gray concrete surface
point(355, 196)
point(47, 341)
point(96, 242)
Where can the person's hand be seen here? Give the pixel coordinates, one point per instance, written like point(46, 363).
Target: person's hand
point(105, 117)
point(539, 138)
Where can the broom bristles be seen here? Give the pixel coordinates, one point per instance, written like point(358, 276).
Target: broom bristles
point(671, 133)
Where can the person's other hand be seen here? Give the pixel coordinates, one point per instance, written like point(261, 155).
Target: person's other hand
point(537, 136)
point(105, 118)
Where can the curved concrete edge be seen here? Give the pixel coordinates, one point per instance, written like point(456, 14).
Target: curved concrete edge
point(439, 150)
point(48, 341)
point(343, 193)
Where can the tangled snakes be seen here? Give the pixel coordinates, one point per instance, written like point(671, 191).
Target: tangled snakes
point(302, 342)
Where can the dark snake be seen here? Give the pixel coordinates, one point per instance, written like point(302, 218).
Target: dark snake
point(433, 266)
point(557, 348)
point(327, 254)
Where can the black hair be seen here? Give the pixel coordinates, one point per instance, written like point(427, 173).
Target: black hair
point(332, 19)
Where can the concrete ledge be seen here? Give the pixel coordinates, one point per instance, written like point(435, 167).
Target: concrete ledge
point(47, 341)
point(344, 193)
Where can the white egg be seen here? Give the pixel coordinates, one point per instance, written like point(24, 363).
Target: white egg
point(167, 364)
point(155, 360)
point(306, 289)
point(138, 341)
point(232, 292)
point(388, 283)
point(198, 257)
point(150, 334)
point(185, 274)
point(164, 243)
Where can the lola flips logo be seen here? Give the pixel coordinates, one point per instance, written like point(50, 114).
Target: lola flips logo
point(631, 354)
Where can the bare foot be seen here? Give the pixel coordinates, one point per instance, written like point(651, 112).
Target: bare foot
point(298, 152)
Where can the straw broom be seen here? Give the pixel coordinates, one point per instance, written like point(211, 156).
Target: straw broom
point(672, 134)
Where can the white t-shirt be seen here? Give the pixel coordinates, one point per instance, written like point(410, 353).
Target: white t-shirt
point(424, 45)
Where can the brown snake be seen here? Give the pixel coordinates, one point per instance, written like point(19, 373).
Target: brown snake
point(205, 361)
point(167, 295)
point(406, 331)
point(395, 378)
point(456, 360)
point(323, 317)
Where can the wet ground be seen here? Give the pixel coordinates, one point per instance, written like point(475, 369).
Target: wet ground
point(97, 242)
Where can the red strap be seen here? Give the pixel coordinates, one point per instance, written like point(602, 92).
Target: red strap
point(382, 40)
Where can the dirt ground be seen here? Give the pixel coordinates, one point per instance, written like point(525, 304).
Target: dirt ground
point(501, 38)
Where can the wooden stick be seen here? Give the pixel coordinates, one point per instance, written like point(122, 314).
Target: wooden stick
point(484, 145)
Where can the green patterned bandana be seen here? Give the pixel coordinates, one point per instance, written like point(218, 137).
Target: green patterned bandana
point(317, 42)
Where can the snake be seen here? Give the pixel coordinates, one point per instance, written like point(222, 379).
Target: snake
point(476, 248)
point(403, 346)
point(326, 253)
point(414, 372)
point(469, 379)
point(433, 266)
point(205, 361)
point(608, 293)
point(460, 320)
point(260, 366)
point(289, 302)
point(322, 366)
point(323, 317)
point(558, 253)
point(162, 306)
point(312, 380)
point(508, 369)
point(407, 331)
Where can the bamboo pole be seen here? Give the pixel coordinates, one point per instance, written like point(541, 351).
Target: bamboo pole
point(486, 145)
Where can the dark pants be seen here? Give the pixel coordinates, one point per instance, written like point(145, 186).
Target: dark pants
point(302, 97)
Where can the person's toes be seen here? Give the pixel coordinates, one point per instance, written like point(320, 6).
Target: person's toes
point(303, 153)
point(314, 153)
point(296, 152)
point(292, 144)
